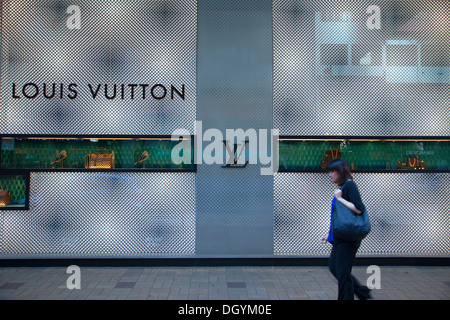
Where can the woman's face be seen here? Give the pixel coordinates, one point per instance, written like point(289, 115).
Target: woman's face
point(334, 176)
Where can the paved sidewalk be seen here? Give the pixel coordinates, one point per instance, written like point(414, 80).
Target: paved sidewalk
point(244, 283)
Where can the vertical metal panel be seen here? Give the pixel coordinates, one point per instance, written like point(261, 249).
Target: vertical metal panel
point(234, 206)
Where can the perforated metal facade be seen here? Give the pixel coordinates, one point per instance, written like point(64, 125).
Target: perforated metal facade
point(333, 75)
point(218, 212)
point(409, 212)
point(103, 215)
point(130, 43)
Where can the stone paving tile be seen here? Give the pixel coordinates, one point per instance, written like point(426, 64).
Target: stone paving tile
point(178, 297)
point(125, 285)
point(194, 284)
point(12, 285)
point(236, 284)
point(219, 283)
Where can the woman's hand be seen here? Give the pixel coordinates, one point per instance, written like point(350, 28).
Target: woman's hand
point(338, 193)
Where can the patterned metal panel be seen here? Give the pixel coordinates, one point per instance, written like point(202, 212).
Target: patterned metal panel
point(234, 205)
point(103, 215)
point(146, 42)
point(409, 212)
point(335, 76)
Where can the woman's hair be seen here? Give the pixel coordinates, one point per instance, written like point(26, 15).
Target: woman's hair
point(341, 167)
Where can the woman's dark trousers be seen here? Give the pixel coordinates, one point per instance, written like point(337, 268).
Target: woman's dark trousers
point(340, 264)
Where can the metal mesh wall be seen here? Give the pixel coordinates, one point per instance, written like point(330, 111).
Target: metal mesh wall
point(409, 212)
point(103, 215)
point(134, 42)
point(335, 75)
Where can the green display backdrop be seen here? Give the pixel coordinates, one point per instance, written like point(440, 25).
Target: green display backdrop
point(308, 154)
point(16, 185)
point(40, 153)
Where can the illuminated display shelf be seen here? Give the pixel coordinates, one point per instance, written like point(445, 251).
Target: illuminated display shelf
point(94, 153)
point(365, 154)
point(14, 191)
point(23, 155)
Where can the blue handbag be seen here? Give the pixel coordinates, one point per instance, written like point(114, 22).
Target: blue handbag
point(348, 225)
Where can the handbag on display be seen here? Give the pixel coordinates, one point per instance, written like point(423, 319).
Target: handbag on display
point(330, 155)
point(99, 160)
point(5, 197)
point(348, 225)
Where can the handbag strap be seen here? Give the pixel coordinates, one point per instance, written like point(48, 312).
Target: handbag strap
point(98, 153)
point(332, 155)
point(101, 148)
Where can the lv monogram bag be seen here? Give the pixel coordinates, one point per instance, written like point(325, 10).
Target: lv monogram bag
point(5, 197)
point(99, 160)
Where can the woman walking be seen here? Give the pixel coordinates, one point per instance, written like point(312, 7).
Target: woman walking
point(344, 251)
